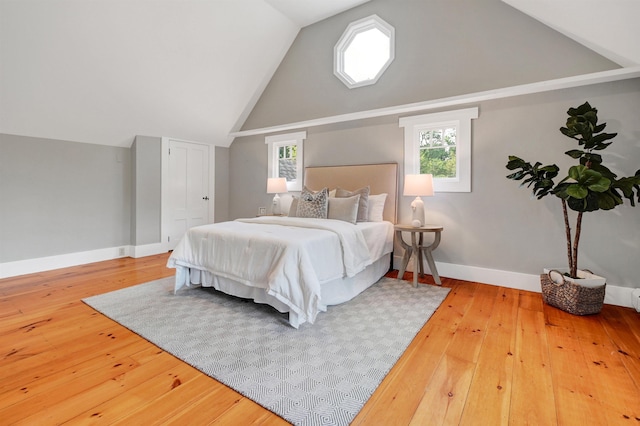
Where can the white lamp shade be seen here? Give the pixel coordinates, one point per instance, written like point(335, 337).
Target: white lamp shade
point(418, 185)
point(276, 185)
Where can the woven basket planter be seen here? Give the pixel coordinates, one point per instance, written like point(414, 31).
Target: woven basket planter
point(571, 297)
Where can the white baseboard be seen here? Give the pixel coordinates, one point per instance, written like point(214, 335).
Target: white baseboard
point(615, 295)
point(620, 296)
point(147, 250)
point(32, 266)
point(40, 264)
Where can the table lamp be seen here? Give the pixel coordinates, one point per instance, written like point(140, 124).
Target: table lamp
point(418, 186)
point(276, 186)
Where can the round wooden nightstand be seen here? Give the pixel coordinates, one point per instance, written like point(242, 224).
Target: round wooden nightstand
point(418, 250)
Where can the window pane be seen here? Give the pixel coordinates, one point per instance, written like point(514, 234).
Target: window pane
point(437, 138)
point(440, 162)
point(287, 166)
point(430, 138)
point(450, 136)
point(366, 55)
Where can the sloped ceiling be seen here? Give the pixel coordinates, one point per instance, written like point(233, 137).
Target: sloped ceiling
point(104, 71)
point(308, 12)
point(608, 27)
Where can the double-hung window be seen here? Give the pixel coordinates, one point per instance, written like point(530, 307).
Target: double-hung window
point(440, 144)
point(285, 158)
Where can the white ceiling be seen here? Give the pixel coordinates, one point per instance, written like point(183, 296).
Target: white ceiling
point(307, 12)
point(107, 70)
point(104, 71)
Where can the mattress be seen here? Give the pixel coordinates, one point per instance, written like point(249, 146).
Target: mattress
point(296, 265)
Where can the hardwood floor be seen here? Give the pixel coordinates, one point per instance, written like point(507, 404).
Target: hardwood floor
point(488, 356)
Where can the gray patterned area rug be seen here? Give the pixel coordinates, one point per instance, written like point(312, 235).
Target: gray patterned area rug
point(322, 373)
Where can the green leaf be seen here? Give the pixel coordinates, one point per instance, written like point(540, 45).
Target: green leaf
point(515, 163)
point(601, 146)
point(594, 158)
point(516, 176)
point(604, 171)
point(603, 137)
point(575, 172)
point(575, 153)
point(601, 185)
point(568, 132)
point(599, 128)
point(591, 202)
point(577, 204)
point(607, 201)
point(591, 116)
point(627, 185)
point(582, 109)
point(577, 191)
point(541, 178)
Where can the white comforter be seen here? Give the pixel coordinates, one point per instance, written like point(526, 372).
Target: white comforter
point(289, 257)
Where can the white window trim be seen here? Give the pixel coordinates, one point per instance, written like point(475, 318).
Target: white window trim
point(275, 142)
point(461, 119)
point(353, 29)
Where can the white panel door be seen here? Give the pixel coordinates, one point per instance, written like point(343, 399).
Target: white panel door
point(188, 188)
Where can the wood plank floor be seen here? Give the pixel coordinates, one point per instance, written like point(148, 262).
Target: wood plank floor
point(488, 356)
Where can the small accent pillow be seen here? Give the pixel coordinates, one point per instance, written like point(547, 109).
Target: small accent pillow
point(313, 204)
point(345, 209)
point(376, 207)
point(293, 208)
point(363, 206)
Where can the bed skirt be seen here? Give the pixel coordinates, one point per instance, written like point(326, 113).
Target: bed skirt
point(332, 292)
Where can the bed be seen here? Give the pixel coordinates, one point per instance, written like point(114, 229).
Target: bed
point(299, 265)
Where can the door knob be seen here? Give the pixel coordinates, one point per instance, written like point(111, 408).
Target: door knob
point(205, 198)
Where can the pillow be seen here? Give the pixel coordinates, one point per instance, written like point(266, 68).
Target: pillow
point(345, 209)
point(332, 193)
point(376, 207)
point(363, 206)
point(313, 204)
point(293, 208)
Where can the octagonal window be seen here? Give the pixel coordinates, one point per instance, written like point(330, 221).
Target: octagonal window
point(364, 52)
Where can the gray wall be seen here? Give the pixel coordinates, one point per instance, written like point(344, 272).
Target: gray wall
point(446, 48)
point(443, 48)
point(146, 191)
point(60, 197)
point(221, 205)
point(497, 225)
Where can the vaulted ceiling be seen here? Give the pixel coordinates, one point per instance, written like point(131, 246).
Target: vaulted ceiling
point(107, 70)
point(608, 27)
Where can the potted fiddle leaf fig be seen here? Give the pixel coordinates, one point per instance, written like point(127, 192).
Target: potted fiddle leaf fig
point(588, 186)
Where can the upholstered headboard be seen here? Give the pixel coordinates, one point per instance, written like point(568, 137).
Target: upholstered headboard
point(381, 178)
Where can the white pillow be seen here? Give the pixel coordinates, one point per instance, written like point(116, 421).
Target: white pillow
point(345, 209)
point(293, 208)
point(376, 207)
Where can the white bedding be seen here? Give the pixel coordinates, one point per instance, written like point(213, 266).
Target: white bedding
point(290, 258)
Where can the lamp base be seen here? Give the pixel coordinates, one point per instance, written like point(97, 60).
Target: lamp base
point(275, 205)
point(417, 218)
